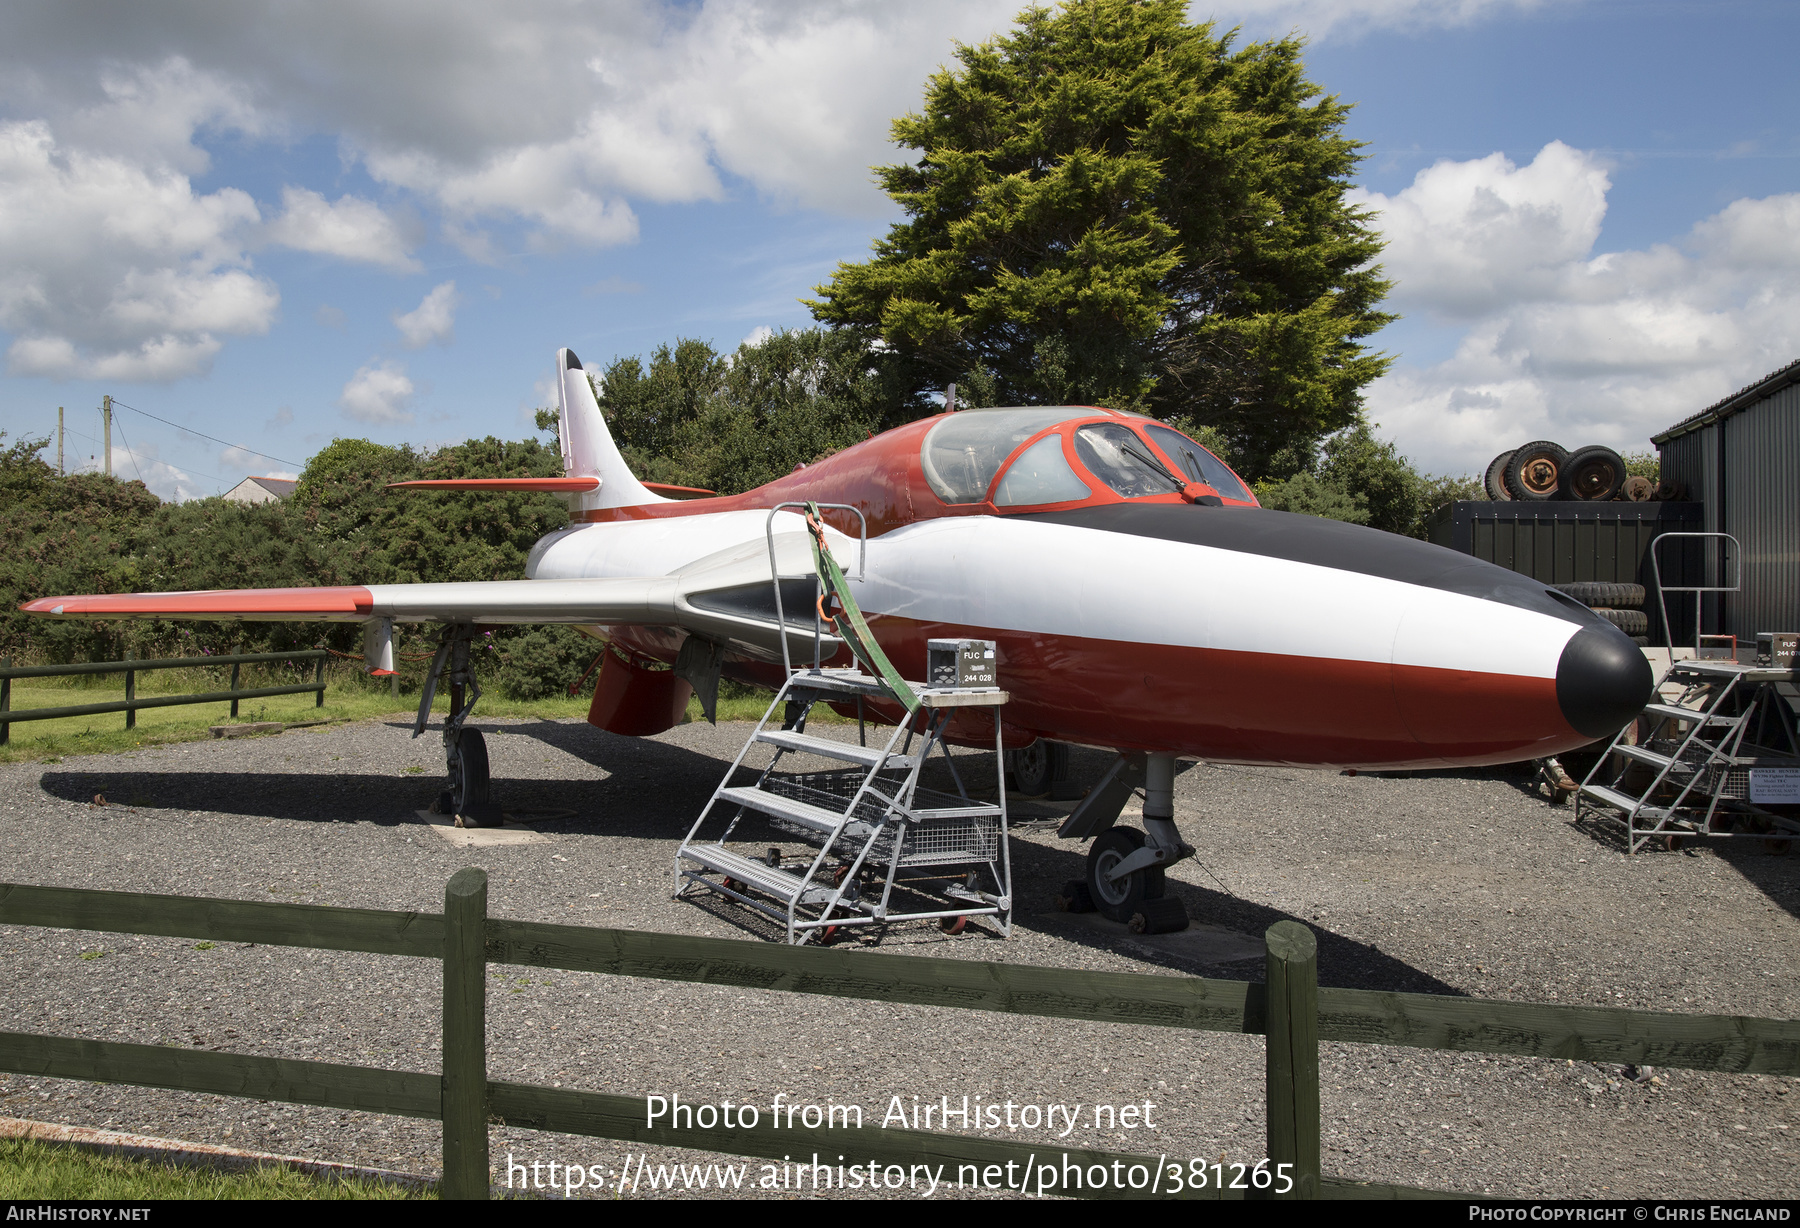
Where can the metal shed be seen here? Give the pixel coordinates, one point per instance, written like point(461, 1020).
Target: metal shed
point(1740, 459)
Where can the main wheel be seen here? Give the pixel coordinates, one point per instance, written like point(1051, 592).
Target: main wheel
point(1534, 472)
point(1495, 481)
point(1035, 768)
point(1594, 473)
point(1119, 900)
point(469, 786)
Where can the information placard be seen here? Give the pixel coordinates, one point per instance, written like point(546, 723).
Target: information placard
point(1775, 786)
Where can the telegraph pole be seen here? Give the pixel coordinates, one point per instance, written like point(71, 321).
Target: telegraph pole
point(106, 412)
point(59, 441)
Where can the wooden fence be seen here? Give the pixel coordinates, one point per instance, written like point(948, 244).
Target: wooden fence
point(132, 703)
point(1288, 1008)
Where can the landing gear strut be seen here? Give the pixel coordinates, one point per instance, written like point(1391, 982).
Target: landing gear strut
point(465, 751)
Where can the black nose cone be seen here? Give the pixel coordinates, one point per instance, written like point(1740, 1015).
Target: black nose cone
point(1602, 681)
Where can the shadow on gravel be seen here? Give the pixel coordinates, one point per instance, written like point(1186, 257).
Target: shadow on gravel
point(652, 790)
point(1345, 963)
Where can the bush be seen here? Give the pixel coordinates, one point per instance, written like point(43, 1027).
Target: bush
point(540, 662)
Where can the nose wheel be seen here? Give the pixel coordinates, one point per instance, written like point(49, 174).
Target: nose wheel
point(1118, 899)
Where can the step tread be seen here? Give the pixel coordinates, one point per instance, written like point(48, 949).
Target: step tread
point(816, 818)
point(1643, 756)
point(845, 752)
point(763, 877)
point(1690, 714)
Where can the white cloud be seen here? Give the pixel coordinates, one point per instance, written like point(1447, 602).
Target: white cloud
point(351, 229)
point(434, 319)
point(1558, 342)
point(329, 316)
point(117, 270)
point(379, 393)
point(283, 417)
point(143, 462)
point(758, 335)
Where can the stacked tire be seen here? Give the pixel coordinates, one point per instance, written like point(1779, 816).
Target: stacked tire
point(1542, 470)
point(1622, 605)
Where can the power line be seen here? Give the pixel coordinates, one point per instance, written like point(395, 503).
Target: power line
point(227, 443)
point(131, 452)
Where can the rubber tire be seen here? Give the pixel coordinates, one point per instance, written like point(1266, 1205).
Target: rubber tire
point(1631, 622)
point(1593, 474)
point(1524, 460)
point(1032, 770)
point(1118, 901)
point(471, 789)
point(1599, 593)
point(1495, 481)
point(1167, 915)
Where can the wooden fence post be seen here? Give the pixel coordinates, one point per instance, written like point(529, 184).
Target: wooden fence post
point(130, 695)
point(465, 1036)
point(234, 687)
point(319, 680)
point(5, 702)
point(1293, 1057)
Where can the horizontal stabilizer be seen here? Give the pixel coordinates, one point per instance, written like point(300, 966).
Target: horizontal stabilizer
point(553, 486)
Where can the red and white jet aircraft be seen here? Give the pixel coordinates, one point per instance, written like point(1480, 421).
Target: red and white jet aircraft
point(1139, 598)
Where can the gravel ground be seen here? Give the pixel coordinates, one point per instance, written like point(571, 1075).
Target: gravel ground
point(1455, 882)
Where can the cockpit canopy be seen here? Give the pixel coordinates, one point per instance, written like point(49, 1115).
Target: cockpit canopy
point(1067, 454)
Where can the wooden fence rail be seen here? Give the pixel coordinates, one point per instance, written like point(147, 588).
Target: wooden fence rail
point(1289, 1008)
point(132, 704)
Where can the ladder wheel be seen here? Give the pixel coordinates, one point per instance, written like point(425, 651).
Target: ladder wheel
point(952, 925)
point(731, 884)
point(828, 935)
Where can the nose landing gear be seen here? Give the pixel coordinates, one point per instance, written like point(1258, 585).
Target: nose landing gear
point(1125, 879)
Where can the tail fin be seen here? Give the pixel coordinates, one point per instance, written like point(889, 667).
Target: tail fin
point(587, 446)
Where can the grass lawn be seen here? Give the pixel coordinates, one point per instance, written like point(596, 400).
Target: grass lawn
point(33, 1171)
point(346, 698)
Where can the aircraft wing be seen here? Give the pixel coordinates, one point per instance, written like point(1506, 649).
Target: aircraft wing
point(649, 599)
point(725, 597)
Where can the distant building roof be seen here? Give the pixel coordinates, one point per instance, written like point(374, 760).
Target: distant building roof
point(261, 490)
point(1737, 402)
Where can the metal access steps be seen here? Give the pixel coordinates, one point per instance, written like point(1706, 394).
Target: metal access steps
point(827, 748)
point(1704, 784)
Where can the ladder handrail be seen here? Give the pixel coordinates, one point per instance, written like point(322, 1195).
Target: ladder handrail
point(862, 568)
point(1699, 590)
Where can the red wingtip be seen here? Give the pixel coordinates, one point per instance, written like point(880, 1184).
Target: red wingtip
point(219, 603)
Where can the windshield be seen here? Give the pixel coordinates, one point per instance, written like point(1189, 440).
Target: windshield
point(963, 452)
point(1197, 463)
point(1114, 454)
point(1041, 475)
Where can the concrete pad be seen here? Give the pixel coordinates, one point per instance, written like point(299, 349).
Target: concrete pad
point(1205, 944)
point(478, 837)
point(245, 731)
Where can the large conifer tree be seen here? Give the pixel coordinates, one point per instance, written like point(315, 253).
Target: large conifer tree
point(1111, 205)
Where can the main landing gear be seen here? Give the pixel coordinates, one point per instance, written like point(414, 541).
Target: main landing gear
point(466, 794)
point(1125, 880)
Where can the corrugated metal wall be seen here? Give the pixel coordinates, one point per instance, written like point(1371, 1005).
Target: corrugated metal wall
point(1746, 470)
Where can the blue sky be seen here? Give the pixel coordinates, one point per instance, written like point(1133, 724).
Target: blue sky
point(275, 225)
